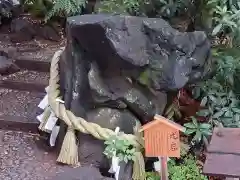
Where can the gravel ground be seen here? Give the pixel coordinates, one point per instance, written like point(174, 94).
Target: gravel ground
point(21, 158)
point(20, 103)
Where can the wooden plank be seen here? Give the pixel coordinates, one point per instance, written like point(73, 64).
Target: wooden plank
point(22, 86)
point(226, 141)
point(33, 65)
point(227, 165)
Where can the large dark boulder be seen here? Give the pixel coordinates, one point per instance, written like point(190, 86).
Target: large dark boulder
point(117, 70)
point(129, 44)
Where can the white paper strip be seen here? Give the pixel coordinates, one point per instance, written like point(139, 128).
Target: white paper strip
point(54, 135)
point(157, 164)
point(47, 88)
point(44, 103)
point(51, 122)
point(117, 172)
point(39, 117)
point(59, 100)
point(115, 168)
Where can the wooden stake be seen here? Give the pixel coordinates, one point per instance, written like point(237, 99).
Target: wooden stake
point(164, 168)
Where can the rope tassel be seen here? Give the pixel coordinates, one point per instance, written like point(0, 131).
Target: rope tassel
point(69, 151)
point(139, 167)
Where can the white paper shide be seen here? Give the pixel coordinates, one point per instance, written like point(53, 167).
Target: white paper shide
point(50, 125)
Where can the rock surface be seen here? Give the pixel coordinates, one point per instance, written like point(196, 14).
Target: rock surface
point(9, 9)
point(25, 29)
point(117, 70)
point(7, 65)
point(124, 45)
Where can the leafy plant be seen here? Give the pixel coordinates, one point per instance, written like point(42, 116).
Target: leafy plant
point(187, 170)
point(66, 8)
point(201, 131)
point(226, 15)
point(152, 176)
point(162, 8)
point(223, 108)
point(171, 8)
point(173, 111)
point(38, 8)
point(218, 94)
point(121, 148)
point(51, 8)
point(133, 7)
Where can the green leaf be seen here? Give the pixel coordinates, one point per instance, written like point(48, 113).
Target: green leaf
point(120, 156)
point(205, 126)
point(133, 150)
point(214, 99)
point(203, 112)
point(229, 114)
point(197, 137)
point(218, 114)
point(194, 120)
point(237, 118)
point(236, 110)
point(226, 120)
point(196, 92)
point(224, 109)
point(207, 132)
point(144, 77)
point(204, 101)
point(217, 29)
point(190, 125)
point(190, 131)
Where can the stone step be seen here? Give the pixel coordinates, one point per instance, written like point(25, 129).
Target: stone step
point(25, 80)
point(18, 109)
point(33, 65)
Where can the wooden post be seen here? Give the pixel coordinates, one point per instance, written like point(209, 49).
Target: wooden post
point(164, 168)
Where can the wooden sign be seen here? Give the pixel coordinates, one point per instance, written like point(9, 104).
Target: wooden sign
point(162, 140)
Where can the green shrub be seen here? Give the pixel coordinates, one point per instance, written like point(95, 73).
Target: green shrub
point(38, 8)
point(220, 93)
point(201, 131)
point(52, 8)
point(187, 170)
point(121, 148)
point(66, 8)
